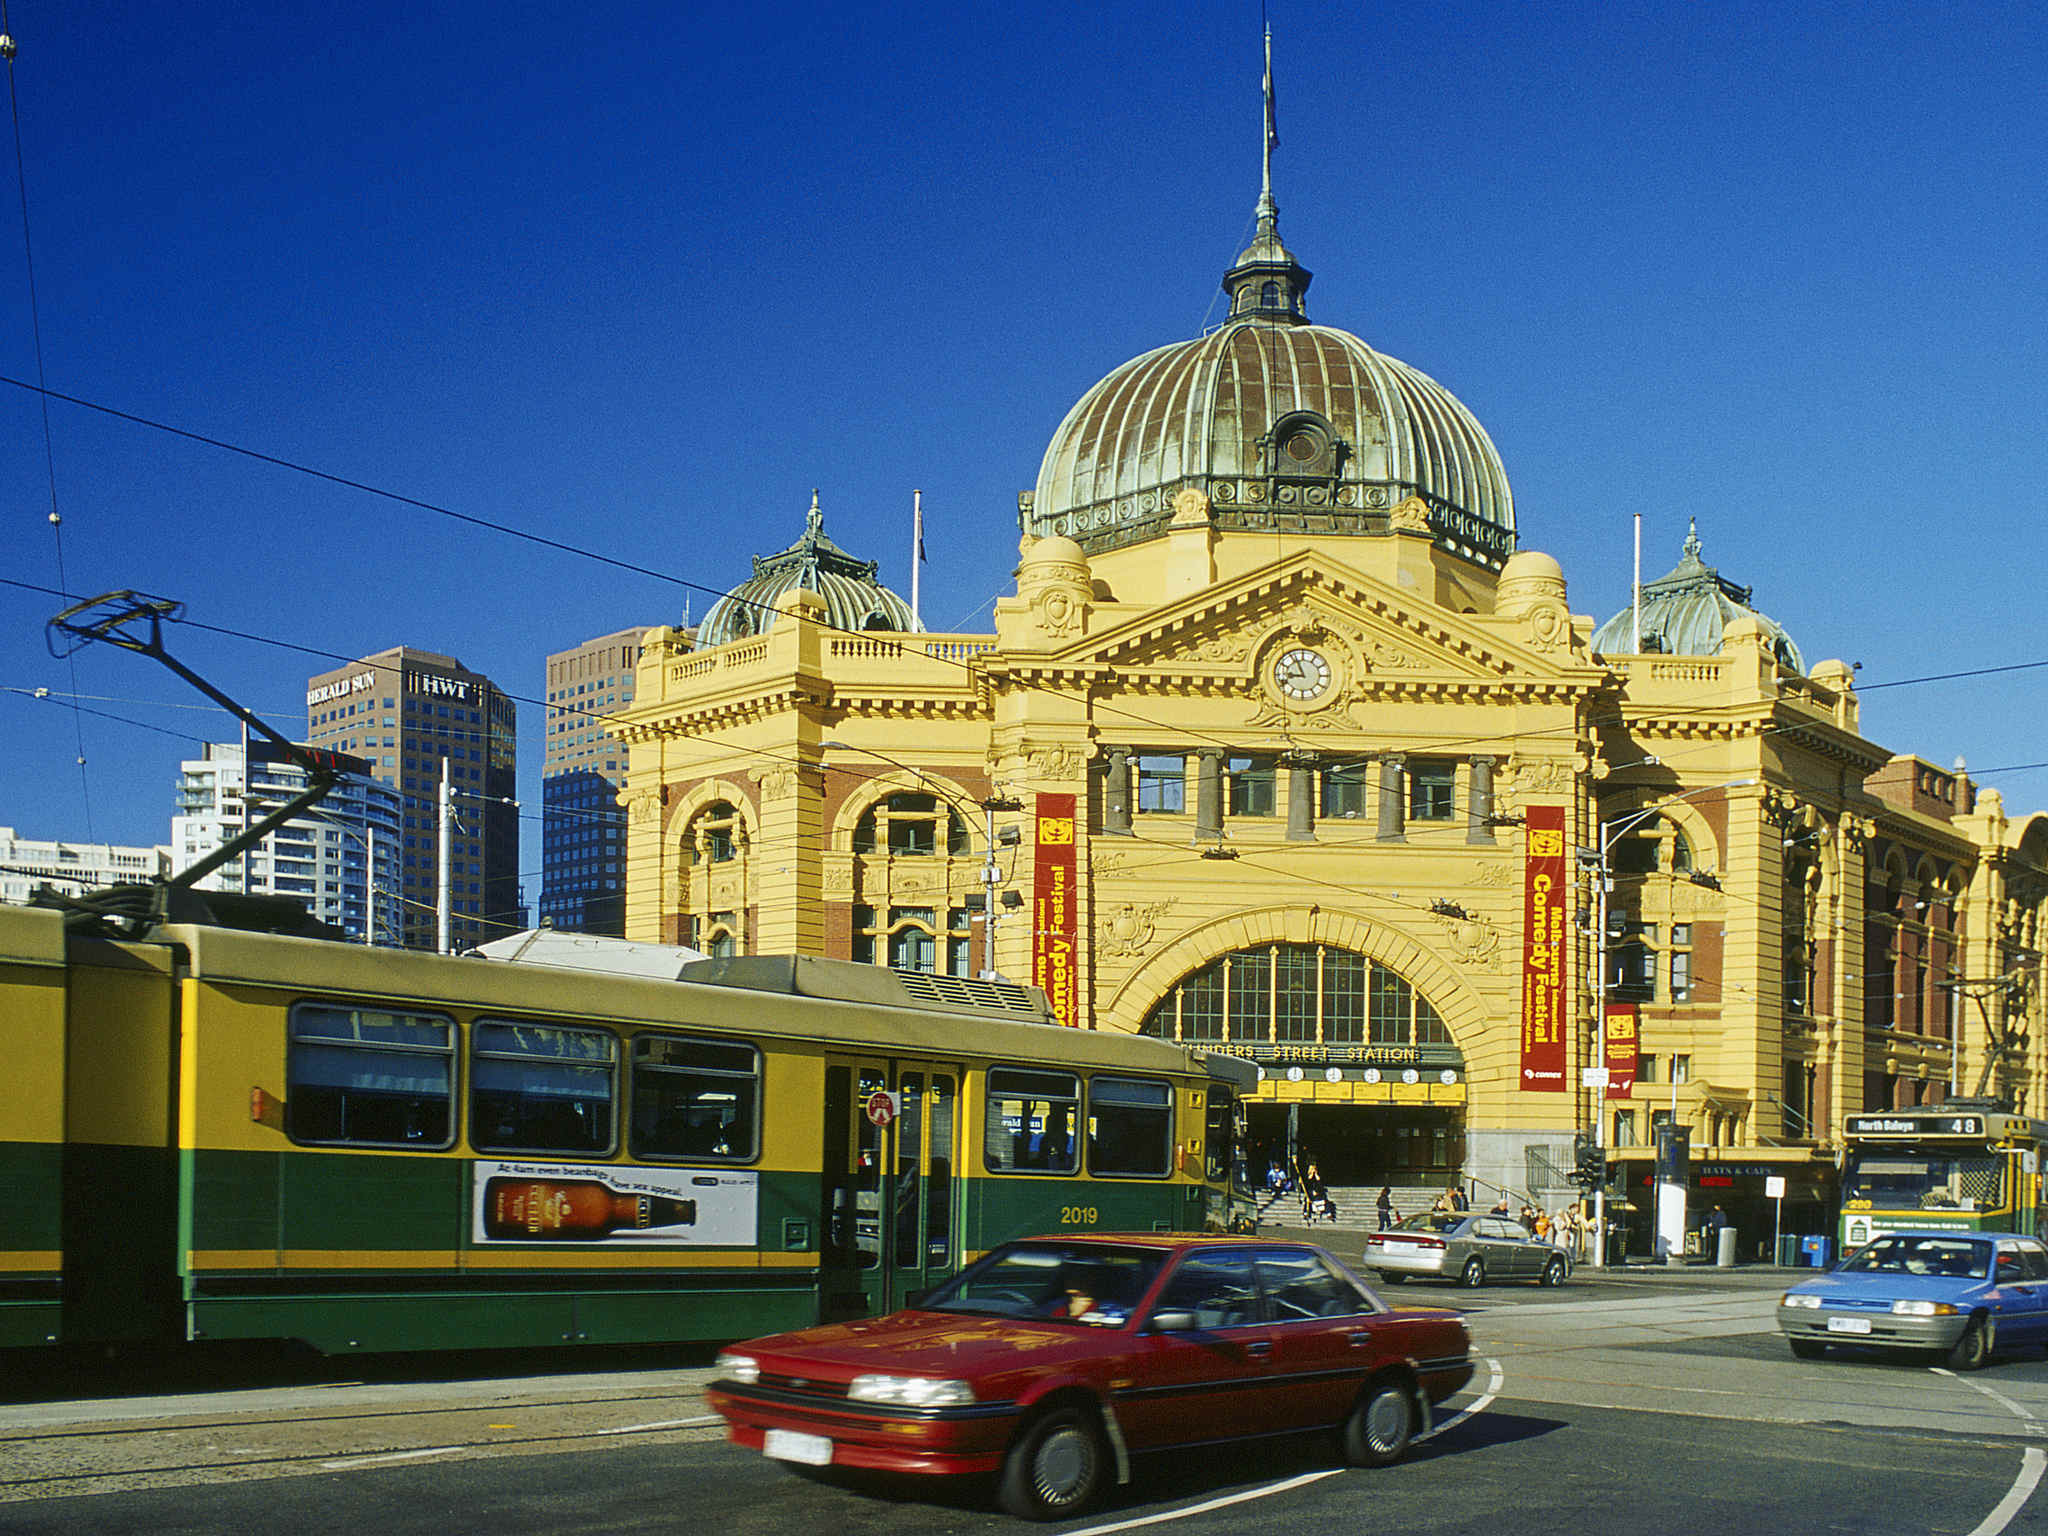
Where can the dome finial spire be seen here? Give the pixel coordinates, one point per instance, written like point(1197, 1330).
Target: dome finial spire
point(814, 520)
point(1267, 209)
point(1267, 281)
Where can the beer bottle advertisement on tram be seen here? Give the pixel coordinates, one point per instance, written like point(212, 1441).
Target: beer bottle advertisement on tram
point(636, 1207)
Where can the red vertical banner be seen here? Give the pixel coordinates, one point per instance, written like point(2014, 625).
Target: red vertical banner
point(1621, 1049)
point(1052, 908)
point(1544, 888)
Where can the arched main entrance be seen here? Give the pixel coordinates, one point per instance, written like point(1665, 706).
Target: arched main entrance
point(1358, 1069)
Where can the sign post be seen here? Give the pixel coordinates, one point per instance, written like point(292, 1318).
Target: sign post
point(1774, 1187)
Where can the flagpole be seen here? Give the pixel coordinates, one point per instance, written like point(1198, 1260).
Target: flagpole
point(916, 558)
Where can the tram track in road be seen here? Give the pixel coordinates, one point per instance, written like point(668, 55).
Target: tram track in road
point(151, 1450)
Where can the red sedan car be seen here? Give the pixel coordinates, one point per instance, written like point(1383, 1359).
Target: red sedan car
point(1053, 1361)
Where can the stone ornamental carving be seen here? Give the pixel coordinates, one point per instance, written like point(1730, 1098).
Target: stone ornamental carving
point(1497, 876)
point(1190, 506)
point(1306, 624)
point(644, 807)
point(1055, 764)
point(1550, 626)
point(1382, 657)
point(1225, 648)
point(1058, 612)
point(1475, 940)
point(1128, 928)
point(776, 783)
point(1411, 516)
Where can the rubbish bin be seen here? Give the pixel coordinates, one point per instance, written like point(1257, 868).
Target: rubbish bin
point(1788, 1250)
point(1724, 1251)
point(1814, 1251)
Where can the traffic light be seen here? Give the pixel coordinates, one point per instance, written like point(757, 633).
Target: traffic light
point(1589, 1163)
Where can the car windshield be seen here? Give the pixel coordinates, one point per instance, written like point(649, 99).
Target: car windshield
point(1432, 1221)
point(1086, 1284)
point(1957, 1257)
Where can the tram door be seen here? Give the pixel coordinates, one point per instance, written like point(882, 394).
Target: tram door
point(888, 1177)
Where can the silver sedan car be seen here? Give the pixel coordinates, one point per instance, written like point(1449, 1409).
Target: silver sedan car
point(1466, 1246)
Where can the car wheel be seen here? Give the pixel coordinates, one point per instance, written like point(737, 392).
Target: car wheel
point(1381, 1423)
point(1387, 1279)
point(1473, 1274)
point(1808, 1349)
point(1974, 1348)
point(1055, 1467)
point(1553, 1272)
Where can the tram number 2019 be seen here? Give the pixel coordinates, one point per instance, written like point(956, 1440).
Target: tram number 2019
point(1079, 1215)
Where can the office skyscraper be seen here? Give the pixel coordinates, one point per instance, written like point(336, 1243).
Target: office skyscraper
point(583, 833)
point(406, 713)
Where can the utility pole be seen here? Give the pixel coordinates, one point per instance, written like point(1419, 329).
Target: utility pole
point(444, 896)
point(992, 878)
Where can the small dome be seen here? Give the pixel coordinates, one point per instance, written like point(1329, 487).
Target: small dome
point(1686, 611)
point(846, 587)
point(1531, 565)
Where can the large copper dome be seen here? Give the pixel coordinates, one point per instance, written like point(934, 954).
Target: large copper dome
point(1281, 424)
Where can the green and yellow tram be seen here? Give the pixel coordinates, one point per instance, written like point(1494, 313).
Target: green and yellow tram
point(1966, 1165)
point(213, 1134)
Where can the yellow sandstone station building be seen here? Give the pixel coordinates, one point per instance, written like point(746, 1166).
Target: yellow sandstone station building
point(1285, 746)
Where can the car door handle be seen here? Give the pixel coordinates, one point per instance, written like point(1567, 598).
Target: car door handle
point(1359, 1338)
point(1258, 1349)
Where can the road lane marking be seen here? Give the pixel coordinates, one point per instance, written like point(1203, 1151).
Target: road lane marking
point(368, 1461)
point(2032, 1462)
point(2031, 1467)
point(637, 1429)
point(1478, 1405)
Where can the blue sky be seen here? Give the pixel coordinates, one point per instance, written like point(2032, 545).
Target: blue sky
point(636, 278)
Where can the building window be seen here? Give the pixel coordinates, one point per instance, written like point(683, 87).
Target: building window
point(714, 834)
point(1631, 959)
point(1297, 994)
point(1252, 786)
point(1681, 1069)
point(1343, 791)
point(1624, 1128)
point(1646, 1069)
point(1162, 786)
point(910, 824)
point(1681, 962)
point(721, 935)
point(1432, 790)
point(911, 939)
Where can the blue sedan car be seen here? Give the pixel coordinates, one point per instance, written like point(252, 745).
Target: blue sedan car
point(1959, 1294)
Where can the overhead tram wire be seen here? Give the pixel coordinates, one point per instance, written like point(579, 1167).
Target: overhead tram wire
point(784, 760)
point(35, 320)
point(1107, 710)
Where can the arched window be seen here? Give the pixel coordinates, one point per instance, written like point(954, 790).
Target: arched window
point(911, 824)
point(1296, 994)
point(910, 939)
point(714, 834)
point(1652, 845)
point(1269, 296)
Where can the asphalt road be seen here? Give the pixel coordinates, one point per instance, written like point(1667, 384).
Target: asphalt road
point(1626, 1403)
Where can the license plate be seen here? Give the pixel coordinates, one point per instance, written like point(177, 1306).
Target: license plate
point(1848, 1325)
point(788, 1445)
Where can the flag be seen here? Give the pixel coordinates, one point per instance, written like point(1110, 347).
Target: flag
point(917, 520)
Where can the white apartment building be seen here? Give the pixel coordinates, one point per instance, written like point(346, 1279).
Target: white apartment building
point(72, 868)
point(341, 858)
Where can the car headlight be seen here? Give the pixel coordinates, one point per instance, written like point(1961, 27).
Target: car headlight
point(910, 1391)
point(744, 1369)
point(1923, 1309)
point(1794, 1299)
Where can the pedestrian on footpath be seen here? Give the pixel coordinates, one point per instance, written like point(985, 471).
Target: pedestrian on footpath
point(1385, 1206)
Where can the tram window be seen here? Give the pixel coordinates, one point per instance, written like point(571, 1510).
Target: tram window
point(367, 1077)
point(1220, 1134)
point(1030, 1125)
point(541, 1088)
point(1130, 1127)
point(699, 1099)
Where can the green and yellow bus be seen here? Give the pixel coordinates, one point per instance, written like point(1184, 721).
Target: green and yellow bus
point(215, 1134)
point(1967, 1165)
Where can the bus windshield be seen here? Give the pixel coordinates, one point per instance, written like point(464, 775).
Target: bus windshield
point(1901, 1179)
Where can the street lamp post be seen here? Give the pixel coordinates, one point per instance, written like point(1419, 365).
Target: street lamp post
point(1602, 880)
